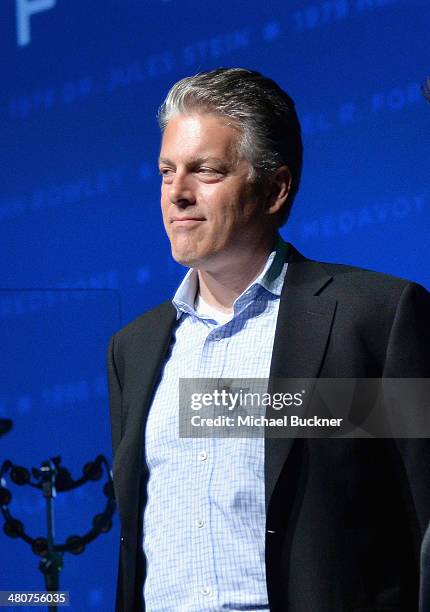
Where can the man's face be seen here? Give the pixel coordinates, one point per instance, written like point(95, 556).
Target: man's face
point(210, 210)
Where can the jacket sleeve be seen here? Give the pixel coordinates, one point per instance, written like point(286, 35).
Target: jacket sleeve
point(408, 348)
point(115, 403)
point(408, 356)
point(115, 395)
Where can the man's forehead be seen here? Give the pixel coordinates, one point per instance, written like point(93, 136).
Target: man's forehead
point(199, 138)
point(200, 127)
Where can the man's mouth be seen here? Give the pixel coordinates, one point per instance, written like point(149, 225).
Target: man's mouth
point(186, 221)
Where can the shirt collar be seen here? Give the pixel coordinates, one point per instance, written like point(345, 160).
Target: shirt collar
point(271, 278)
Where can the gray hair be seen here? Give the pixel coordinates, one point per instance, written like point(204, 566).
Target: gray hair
point(264, 114)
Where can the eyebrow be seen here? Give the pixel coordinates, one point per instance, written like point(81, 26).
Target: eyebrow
point(195, 161)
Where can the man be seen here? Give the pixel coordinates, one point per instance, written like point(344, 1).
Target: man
point(304, 525)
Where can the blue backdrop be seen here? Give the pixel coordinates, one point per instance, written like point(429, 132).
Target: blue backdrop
point(82, 245)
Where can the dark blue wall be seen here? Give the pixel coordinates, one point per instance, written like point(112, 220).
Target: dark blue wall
point(79, 196)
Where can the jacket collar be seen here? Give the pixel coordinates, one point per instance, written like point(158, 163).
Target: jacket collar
point(302, 332)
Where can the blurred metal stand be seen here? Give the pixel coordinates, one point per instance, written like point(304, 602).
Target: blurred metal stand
point(52, 478)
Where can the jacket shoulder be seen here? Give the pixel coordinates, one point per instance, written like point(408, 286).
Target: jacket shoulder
point(343, 274)
point(363, 274)
point(145, 335)
point(355, 286)
point(154, 316)
point(375, 286)
point(368, 282)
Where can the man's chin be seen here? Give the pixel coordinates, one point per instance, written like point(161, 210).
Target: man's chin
point(185, 258)
point(191, 259)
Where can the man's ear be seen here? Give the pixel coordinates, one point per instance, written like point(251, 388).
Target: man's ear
point(280, 186)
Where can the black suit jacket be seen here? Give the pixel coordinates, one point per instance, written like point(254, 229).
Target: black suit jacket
point(345, 517)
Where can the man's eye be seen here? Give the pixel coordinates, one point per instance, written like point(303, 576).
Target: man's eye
point(209, 171)
point(166, 173)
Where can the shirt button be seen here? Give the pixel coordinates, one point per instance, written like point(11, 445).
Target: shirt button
point(203, 456)
point(200, 523)
point(205, 591)
point(216, 337)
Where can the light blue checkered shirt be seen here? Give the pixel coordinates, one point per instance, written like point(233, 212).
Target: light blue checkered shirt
point(204, 522)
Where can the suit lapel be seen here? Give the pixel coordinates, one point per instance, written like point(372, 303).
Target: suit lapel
point(302, 331)
point(146, 352)
point(151, 347)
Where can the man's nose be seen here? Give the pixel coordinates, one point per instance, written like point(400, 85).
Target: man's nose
point(180, 190)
